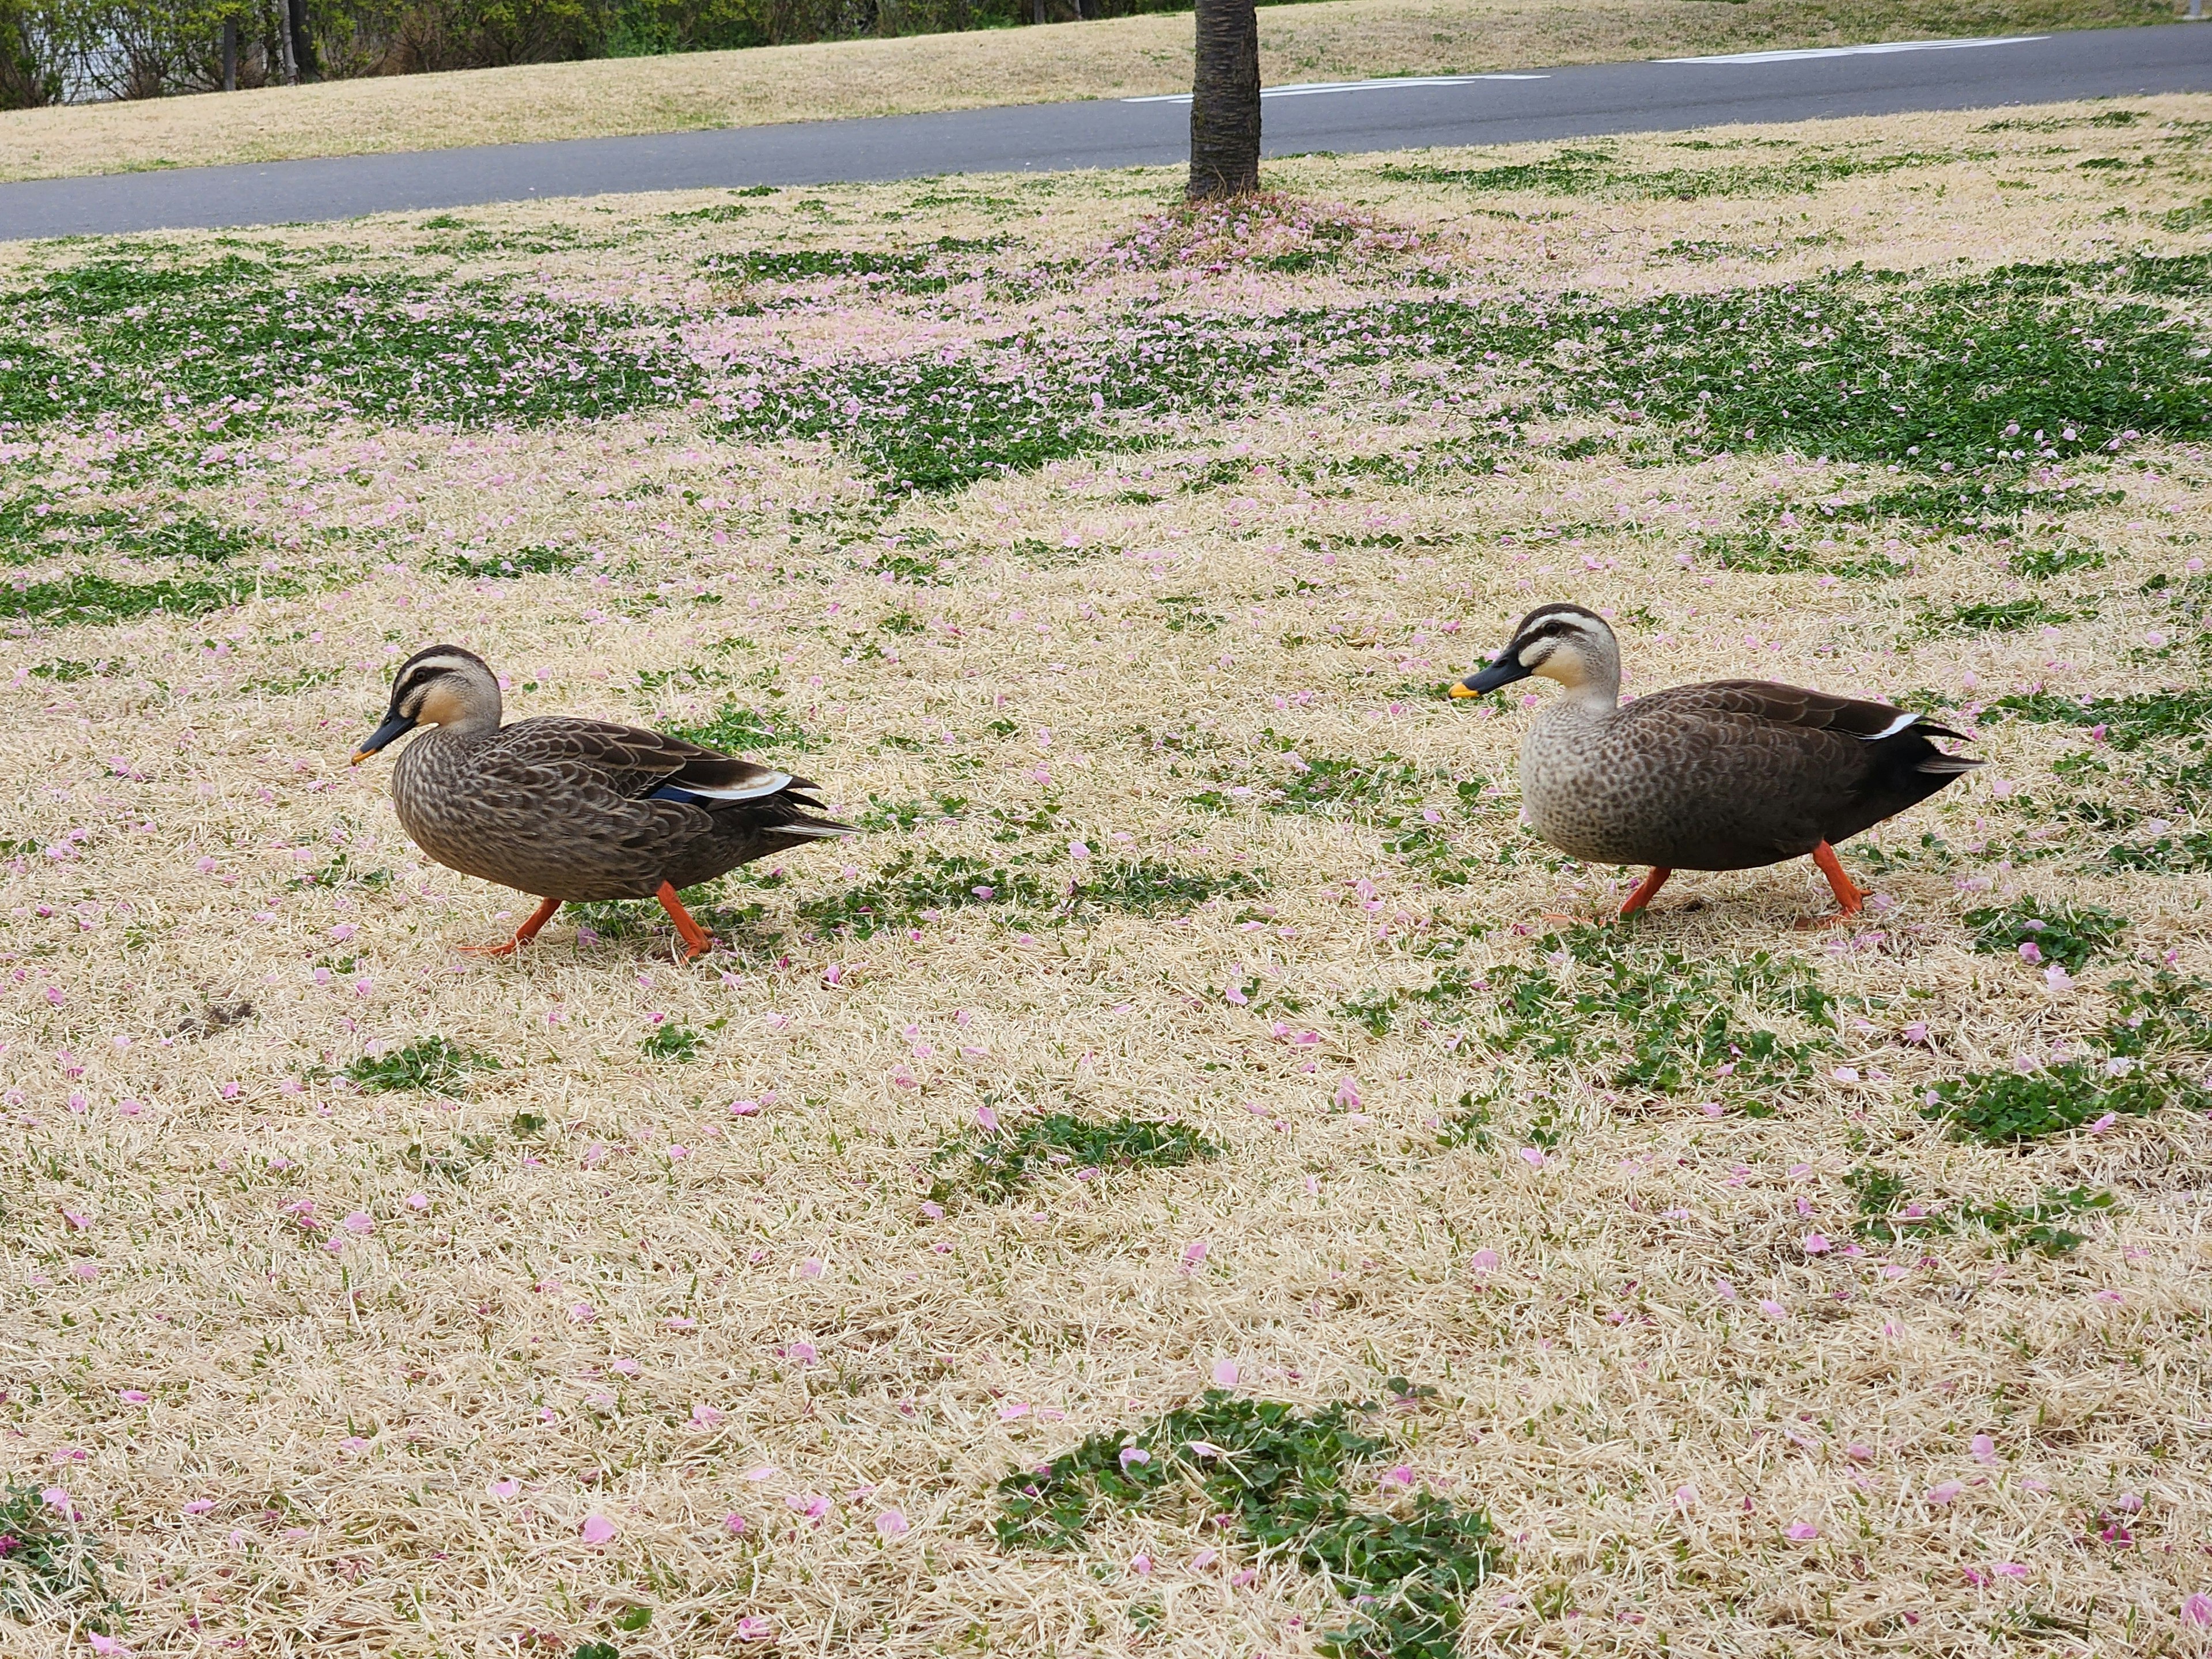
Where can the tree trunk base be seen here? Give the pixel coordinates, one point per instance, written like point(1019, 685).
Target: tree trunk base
point(1225, 104)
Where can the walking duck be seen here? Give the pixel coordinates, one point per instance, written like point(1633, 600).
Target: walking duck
point(1731, 775)
point(571, 809)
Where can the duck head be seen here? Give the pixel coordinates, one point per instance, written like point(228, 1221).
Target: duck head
point(1562, 642)
point(443, 686)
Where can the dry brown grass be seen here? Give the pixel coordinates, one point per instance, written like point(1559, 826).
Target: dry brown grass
point(1343, 39)
point(318, 1464)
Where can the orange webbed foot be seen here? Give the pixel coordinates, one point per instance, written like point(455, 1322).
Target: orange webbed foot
point(523, 935)
point(697, 940)
point(1850, 901)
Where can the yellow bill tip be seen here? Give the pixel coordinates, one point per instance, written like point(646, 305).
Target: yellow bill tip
point(1460, 688)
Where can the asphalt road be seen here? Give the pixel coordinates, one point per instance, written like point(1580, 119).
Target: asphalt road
point(1670, 95)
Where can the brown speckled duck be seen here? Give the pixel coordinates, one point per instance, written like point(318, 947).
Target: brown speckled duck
point(1727, 776)
point(571, 810)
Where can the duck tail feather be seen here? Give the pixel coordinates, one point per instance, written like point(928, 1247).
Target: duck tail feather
point(1924, 728)
point(1947, 765)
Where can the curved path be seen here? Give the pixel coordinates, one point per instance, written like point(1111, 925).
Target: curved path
point(1668, 95)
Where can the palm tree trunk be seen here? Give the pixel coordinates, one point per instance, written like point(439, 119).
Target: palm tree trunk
point(1225, 104)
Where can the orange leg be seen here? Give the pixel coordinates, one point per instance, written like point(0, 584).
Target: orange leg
point(1849, 900)
point(1646, 889)
point(544, 914)
point(695, 941)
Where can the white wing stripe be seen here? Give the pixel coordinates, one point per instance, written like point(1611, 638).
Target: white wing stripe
point(774, 783)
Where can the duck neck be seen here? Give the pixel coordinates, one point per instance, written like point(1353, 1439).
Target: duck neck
point(1592, 697)
point(474, 727)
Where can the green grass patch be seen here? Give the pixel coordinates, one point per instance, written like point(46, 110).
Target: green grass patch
point(35, 525)
point(2003, 1108)
point(434, 1065)
point(903, 815)
point(1766, 554)
point(1282, 1478)
point(1147, 887)
point(738, 730)
point(2182, 219)
point(925, 424)
point(1889, 1215)
point(342, 869)
point(1649, 1018)
point(903, 273)
point(1341, 786)
point(1851, 366)
point(1188, 614)
point(1966, 505)
point(1597, 172)
point(1378, 1012)
point(50, 1572)
point(88, 597)
point(997, 1164)
point(2180, 853)
point(66, 670)
point(2125, 723)
point(671, 1041)
point(1996, 616)
point(2165, 1018)
point(2061, 931)
point(2040, 563)
point(917, 887)
point(269, 346)
point(541, 559)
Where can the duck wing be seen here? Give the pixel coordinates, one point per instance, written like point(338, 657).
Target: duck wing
point(1794, 708)
point(638, 764)
point(1784, 767)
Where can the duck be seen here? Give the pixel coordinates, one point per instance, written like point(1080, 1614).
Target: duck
point(571, 809)
point(1729, 775)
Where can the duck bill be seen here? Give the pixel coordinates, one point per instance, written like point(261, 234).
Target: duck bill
point(1504, 672)
point(397, 726)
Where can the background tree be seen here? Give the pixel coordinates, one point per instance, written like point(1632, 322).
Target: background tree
point(303, 43)
point(1225, 103)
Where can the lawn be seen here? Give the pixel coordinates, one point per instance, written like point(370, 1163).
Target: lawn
point(1335, 39)
point(1169, 1186)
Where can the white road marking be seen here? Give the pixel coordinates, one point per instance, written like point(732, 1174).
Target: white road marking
point(1308, 89)
point(1797, 54)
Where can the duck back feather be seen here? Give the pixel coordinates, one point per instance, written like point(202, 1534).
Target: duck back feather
point(1730, 774)
point(577, 809)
